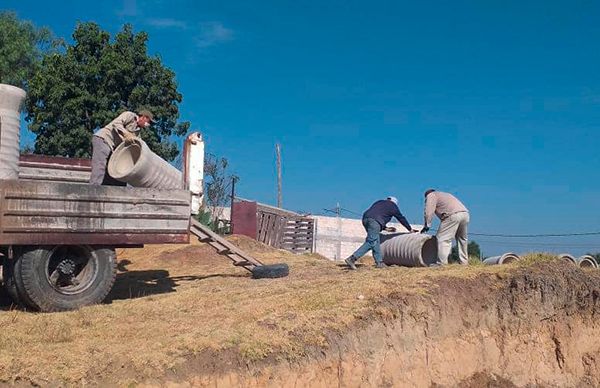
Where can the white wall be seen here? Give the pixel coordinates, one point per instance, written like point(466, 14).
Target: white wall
point(337, 238)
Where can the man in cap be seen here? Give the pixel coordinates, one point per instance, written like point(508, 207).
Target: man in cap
point(374, 220)
point(125, 128)
point(454, 218)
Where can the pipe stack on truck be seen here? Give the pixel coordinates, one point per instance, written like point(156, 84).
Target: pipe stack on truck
point(58, 234)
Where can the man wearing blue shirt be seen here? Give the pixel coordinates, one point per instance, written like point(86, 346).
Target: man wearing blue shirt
point(374, 220)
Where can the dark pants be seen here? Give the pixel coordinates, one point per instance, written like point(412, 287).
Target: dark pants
point(100, 155)
point(371, 242)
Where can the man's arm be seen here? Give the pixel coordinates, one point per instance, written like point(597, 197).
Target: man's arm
point(430, 205)
point(125, 119)
point(402, 219)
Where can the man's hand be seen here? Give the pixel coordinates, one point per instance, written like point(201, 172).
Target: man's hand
point(425, 229)
point(390, 229)
point(129, 140)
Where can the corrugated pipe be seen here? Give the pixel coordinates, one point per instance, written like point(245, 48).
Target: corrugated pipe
point(502, 259)
point(409, 249)
point(11, 100)
point(565, 256)
point(587, 261)
point(137, 165)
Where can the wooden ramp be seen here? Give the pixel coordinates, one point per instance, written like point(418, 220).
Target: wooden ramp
point(223, 247)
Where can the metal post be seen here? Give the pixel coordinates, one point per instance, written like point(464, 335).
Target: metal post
point(278, 151)
point(234, 179)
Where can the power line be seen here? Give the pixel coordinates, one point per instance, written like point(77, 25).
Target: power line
point(536, 235)
point(505, 235)
point(351, 212)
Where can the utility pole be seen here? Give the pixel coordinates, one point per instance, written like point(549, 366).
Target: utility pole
point(338, 211)
point(278, 152)
point(234, 179)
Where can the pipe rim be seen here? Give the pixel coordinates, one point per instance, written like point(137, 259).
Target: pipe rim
point(116, 169)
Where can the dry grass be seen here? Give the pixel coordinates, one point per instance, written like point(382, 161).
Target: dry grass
point(173, 302)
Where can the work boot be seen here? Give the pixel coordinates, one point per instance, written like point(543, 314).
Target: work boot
point(350, 262)
point(380, 265)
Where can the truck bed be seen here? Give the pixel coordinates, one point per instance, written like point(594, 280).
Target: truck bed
point(41, 211)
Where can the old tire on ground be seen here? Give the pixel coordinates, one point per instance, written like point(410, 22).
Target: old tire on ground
point(59, 278)
point(270, 271)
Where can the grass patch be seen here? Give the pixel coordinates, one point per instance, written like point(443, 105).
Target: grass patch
point(171, 302)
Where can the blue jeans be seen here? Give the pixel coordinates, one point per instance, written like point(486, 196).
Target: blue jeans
point(371, 242)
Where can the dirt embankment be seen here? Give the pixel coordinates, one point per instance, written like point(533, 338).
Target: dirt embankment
point(528, 326)
point(184, 316)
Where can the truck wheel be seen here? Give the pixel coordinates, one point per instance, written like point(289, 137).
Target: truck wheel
point(270, 271)
point(9, 281)
point(65, 277)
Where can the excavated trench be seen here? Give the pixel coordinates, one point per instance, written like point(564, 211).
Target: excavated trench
point(528, 326)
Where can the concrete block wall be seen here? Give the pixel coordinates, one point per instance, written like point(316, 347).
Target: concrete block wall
point(337, 238)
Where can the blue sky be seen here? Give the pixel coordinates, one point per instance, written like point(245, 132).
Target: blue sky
point(496, 101)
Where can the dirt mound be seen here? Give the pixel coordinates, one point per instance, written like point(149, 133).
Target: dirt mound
point(531, 326)
point(184, 315)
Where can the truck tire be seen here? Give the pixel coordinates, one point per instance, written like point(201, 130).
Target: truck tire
point(59, 278)
point(9, 281)
point(270, 271)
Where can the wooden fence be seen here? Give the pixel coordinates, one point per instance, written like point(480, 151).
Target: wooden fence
point(283, 229)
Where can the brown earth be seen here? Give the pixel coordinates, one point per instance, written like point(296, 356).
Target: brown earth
point(183, 316)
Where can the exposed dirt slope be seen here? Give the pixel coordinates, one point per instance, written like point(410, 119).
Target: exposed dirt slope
point(183, 315)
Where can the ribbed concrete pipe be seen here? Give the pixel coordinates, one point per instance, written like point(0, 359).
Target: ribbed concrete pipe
point(502, 259)
point(409, 249)
point(137, 165)
point(587, 261)
point(11, 99)
point(565, 256)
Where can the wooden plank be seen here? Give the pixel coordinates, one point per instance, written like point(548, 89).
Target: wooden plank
point(37, 206)
point(123, 216)
point(71, 163)
point(51, 224)
point(261, 227)
point(94, 238)
point(54, 191)
point(279, 231)
point(272, 232)
point(41, 212)
point(262, 208)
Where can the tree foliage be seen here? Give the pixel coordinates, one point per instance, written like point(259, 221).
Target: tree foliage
point(76, 92)
point(473, 250)
point(217, 190)
point(22, 46)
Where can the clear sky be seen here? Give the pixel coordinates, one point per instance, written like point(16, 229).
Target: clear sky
point(494, 101)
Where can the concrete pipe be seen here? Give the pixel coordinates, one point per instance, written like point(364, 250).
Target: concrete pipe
point(565, 256)
point(587, 261)
point(137, 165)
point(502, 259)
point(11, 100)
point(409, 249)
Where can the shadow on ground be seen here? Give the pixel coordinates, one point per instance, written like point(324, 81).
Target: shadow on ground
point(137, 284)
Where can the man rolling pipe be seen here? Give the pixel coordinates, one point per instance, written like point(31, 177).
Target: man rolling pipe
point(125, 128)
point(454, 218)
point(374, 221)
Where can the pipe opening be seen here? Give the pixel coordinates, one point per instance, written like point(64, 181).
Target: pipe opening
point(568, 258)
point(125, 159)
point(510, 259)
point(429, 251)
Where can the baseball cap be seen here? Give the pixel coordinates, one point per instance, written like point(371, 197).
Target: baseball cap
point(147, 113)
point(393, 199)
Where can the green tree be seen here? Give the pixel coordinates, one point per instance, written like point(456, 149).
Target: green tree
point(94, 80)
point(217, 192)
point(473, 250)
point(22, 46)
